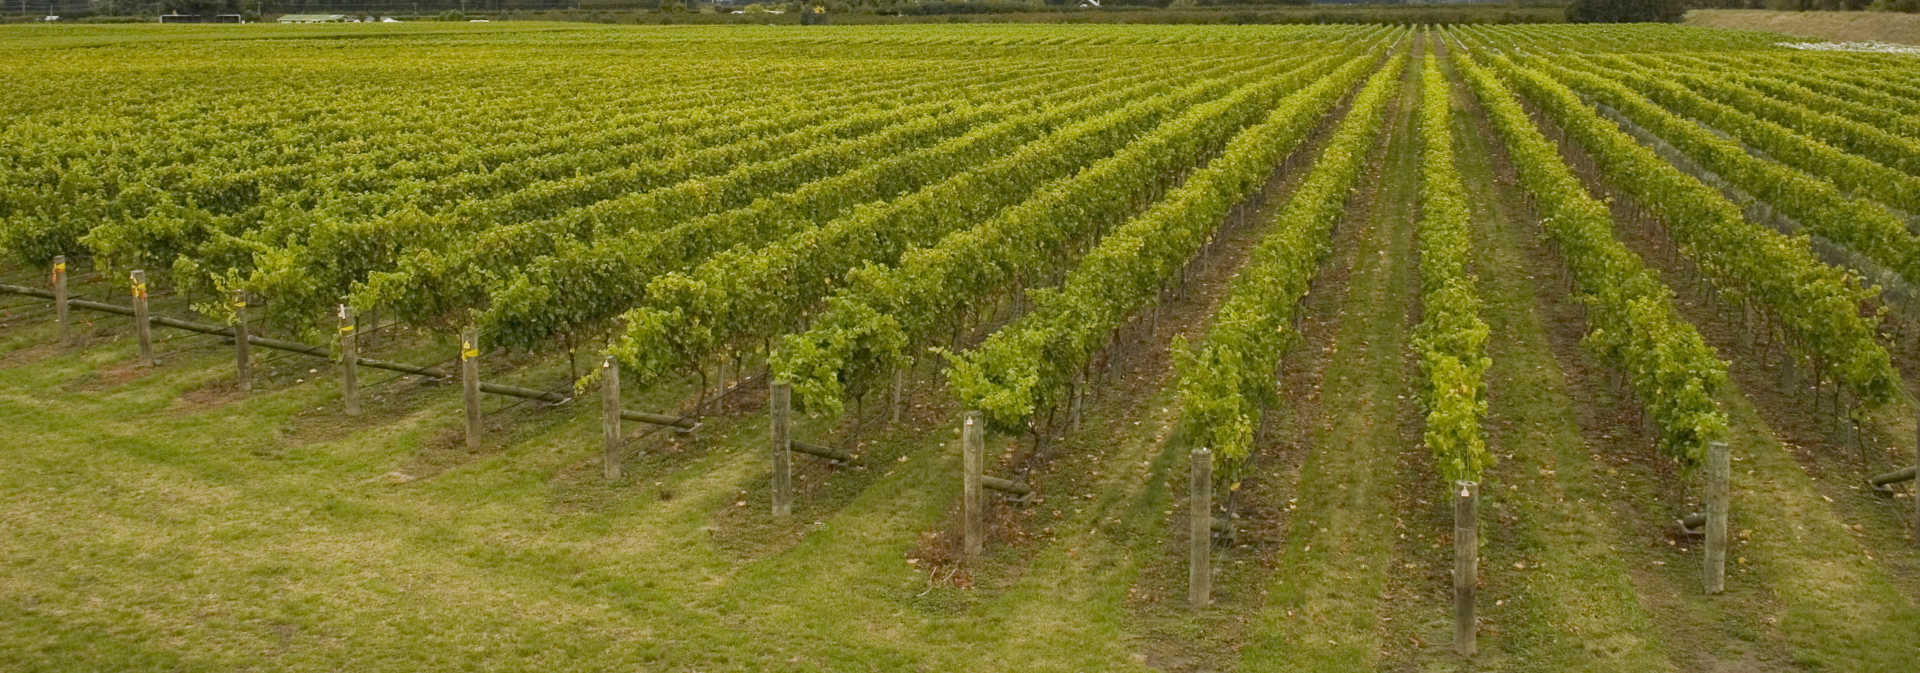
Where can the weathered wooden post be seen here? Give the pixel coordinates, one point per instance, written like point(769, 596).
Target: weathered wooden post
point(1916, 487)
point(973, 447)
point(470, 383)
point(141, 327)
point(1719, 473)
point(349, 361)
point(1076, 397)
point(242, 358)
point(899, 391)
point(1881, 482)
point(780, 405)
point(610, 417)
point(1200, 530)
point(1466, 564)
point(60, 301)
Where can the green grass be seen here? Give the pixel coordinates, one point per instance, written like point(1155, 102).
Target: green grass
point(265, 529)
point(1559, 595)
point(1802, 591)
point(161, 520)
point(1326, 596)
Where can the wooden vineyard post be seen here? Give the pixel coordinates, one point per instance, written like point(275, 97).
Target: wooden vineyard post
point(610, 417)
point(1917, 486)
point(1718, 474)
point(60, 308)
point(142, 328)
point(780, 406)
point(470, 383)
point(1076, 398)
point(1466, 563)
point(1200, 530)
point(899, 391)
point(349, 361)
point(973, 449)
point(242, 359)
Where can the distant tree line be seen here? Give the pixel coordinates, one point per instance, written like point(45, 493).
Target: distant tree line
point(1625, 11)
point(257, 8)
point(83, 8)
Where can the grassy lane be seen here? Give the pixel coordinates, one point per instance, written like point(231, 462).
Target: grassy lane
point(265, 527)
point(161, 520)
point(1640, 487)
point(1645, 493)
point(1807, 421)
point(1560, 588)
point(1796, 562)
point(1558, 596)
point(1211, 640)
point(1418, 627)
point(384, 543)
point(224, 541)
point(509, 556)
point(1061, 574)
point(514, 554)
point(1112, 502)
point(1329, 584)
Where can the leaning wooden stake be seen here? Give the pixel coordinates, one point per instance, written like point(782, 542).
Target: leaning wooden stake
point(242, 359)
point(1916, 489)
point(1881, 482)
point(1466, 563)
point(1076, 395)
point(349, 361)
point(899, 391)
point(1200, 530)
point(973, 446)
point(470, 384)
point(142, 327)
point(1719, 473)
point(780, 405)
point(610, 417)
point(60, 300)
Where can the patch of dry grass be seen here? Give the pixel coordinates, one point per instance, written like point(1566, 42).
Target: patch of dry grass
point(1836, 26)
